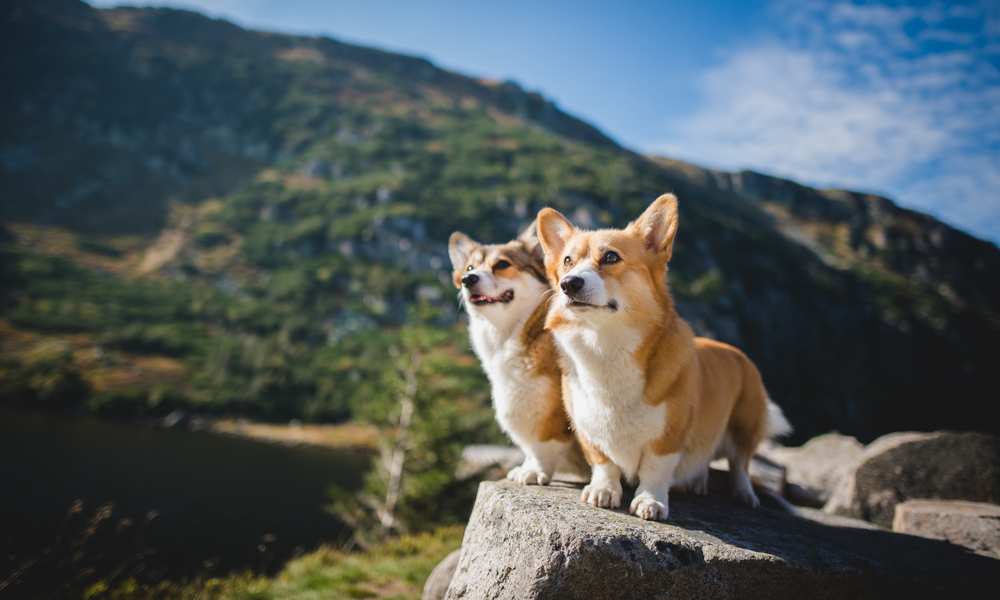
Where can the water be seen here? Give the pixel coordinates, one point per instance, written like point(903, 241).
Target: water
point(221, 503)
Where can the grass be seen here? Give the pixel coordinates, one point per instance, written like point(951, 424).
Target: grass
point(393, 570)
point(340, 435)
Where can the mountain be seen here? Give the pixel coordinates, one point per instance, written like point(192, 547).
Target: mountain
point(205, 217)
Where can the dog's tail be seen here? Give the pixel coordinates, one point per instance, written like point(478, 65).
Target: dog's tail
point(777, 424)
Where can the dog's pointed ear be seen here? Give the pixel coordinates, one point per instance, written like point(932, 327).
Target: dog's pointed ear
point(657, 225)
point(529, 235)
point(460, 246)
point(529, 238)
point(553, 231)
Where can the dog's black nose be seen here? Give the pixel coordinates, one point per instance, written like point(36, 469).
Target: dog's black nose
point(470, 280)
point(572, 284)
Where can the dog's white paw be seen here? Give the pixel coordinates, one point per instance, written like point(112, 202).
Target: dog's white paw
point(528, 476)
point(744, 494)
point(602, 495)
point(647, 507)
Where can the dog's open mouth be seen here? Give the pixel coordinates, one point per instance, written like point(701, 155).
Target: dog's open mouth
point(612, 305)
point(480, 299)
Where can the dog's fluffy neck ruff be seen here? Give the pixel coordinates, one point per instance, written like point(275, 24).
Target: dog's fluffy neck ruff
point(583, 341)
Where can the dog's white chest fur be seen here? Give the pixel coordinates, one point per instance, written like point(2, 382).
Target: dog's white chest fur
point(606, 390)
point(518, 395)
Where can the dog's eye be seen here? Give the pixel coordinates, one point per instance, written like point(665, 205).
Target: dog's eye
point(610, 257)
point(567, 260)
point(501, 265)
point(468, 268)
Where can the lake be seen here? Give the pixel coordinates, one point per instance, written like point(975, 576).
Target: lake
point(218, 502)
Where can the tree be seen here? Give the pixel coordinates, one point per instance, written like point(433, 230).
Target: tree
point(425, 418)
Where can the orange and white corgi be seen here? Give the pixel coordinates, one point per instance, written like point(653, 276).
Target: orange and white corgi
point(649, 401)
point(504, 290)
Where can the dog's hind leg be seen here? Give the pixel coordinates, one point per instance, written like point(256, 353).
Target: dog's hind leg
point(696, 484)
point(739, 475)
point(748, 426)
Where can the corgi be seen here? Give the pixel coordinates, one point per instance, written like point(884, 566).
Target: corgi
point(505, 292)
point(649, 401)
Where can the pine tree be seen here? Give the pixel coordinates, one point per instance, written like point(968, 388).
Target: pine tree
point(425, 418)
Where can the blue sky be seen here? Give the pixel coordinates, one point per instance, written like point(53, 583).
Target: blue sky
point(898, 99)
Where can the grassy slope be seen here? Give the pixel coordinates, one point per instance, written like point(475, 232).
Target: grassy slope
point(395, 570)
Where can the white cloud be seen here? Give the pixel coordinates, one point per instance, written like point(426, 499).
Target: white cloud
point(897, 100)
point(784, 110)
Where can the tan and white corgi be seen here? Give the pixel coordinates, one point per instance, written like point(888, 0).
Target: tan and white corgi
point(505, 292)
point(649, 401)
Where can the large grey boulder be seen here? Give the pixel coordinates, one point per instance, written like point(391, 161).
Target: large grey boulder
point(529, 542)
point(900, 466)
point(975, 525)
point(816, 469)
point(437, 582)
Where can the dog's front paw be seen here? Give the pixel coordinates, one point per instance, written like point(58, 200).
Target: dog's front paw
point(646, 506)
point(602, 494)
point(526, 475)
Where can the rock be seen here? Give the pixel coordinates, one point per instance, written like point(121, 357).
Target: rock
point(975, 525)
point(531, 542)
point(437, 582)
point(316, 168)
point(177, 418)
point(900, 466)
point(816, 469)
point(767, 474)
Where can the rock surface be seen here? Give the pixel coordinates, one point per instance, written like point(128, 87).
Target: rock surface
point(437, 582)
point(531, 542)
point(813, 471)
point(900, 466)
point(975, 525)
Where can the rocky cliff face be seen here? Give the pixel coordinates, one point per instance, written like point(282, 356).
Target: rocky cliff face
point(312, 184)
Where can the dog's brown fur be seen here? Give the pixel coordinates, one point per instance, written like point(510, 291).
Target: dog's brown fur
point(540, 354)
point(712, 390)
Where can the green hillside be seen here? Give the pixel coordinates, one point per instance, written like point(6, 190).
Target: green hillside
point(202, 217)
